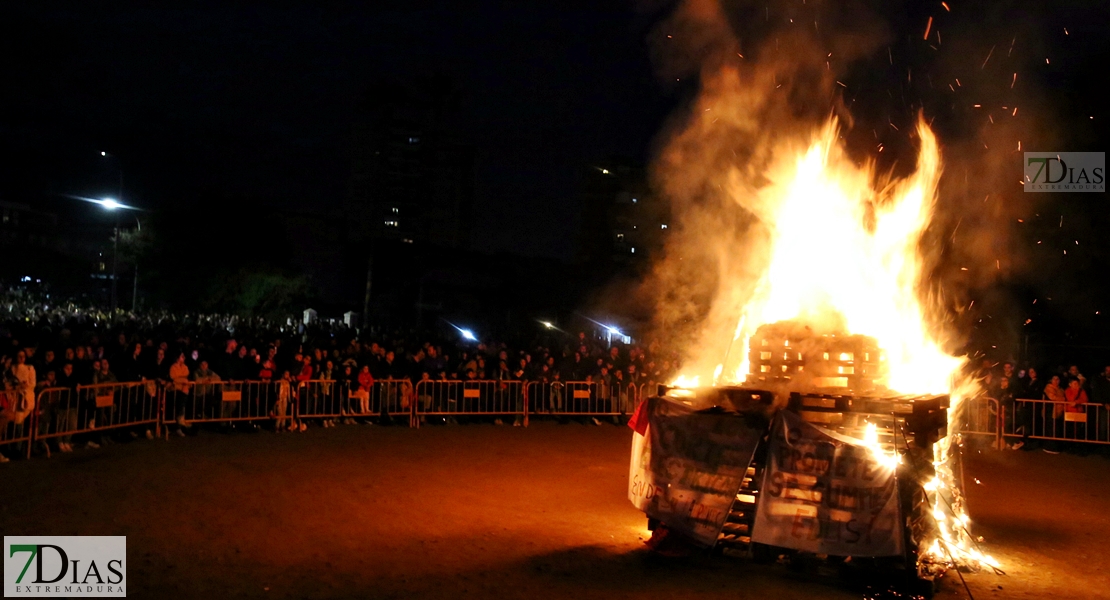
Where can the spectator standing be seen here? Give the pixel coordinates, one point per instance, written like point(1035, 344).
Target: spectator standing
point(1100, 394)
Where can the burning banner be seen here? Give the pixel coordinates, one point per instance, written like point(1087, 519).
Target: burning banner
point(687, 466)
point(827, 493)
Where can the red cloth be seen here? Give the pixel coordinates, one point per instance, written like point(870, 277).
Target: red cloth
point(305, 374)
point(639, 420)
point(1075, 397)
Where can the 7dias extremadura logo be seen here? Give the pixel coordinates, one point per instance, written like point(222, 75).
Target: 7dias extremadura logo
point(1065, 172)
point(65, 566)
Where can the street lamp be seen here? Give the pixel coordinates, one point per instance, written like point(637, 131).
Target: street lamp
point(111, 204)
point(115, 206)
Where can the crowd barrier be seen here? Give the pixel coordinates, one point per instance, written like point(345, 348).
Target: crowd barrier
point(581, 398)
point(469, 398)
point(1024, 419)
point(88, 411)
point(12, 409)
point(192, 402)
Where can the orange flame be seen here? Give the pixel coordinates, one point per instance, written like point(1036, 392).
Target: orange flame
point(844, 254)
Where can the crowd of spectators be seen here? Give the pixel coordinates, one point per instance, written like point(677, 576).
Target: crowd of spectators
point(44, 346)
point(1054, 394)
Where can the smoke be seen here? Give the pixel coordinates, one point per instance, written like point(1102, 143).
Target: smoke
point(758, 86)
point(767, 77)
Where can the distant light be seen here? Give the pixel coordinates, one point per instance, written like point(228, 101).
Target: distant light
point(613, 330)
point(663, 226)
point(468, 335)
point(110, 204)
point(548, 324)
point(102, 153)
point(605, 171)
point(634, 201)
point(25, 279)
point(634, 251)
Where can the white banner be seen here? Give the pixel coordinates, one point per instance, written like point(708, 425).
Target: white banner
point(687, 466)
point(826, 493)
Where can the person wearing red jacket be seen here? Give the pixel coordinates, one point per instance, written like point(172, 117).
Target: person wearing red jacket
point(365, 384)
point(306, 394)
point(1076, 397)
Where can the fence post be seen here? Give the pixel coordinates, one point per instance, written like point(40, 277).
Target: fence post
point(524, 393)
point(33, 421)
point(161, 413)
point(413, 399)
point(999, 442)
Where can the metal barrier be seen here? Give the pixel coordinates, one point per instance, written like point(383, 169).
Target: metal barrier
point(1056, 421)
point(322, 399)
point(59, 415)
point(980, 417)
point(394, 397)
point(103, 406)
point(219, 401)
point(580, 398)
point(18, 418)
point(453, 398)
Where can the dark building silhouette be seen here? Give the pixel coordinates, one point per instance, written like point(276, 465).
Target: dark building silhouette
point(623, 223)
point(412, 176)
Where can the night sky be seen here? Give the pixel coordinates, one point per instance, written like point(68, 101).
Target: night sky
point(246, 108)
point(254, 103)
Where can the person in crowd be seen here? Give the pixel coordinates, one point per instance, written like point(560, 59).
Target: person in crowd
point(1077, 401)
point(206, 392)
point(178, 377)
point(20, 399)
point(285, 387)
point(1073, 373)
point(1053, 413)
point(1100, 395)
point(365, 388)
point(327, 391)
point(67, 393)
point(104, 401)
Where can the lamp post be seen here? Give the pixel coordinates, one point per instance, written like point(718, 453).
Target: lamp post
point(111, 205)
point(135, 281)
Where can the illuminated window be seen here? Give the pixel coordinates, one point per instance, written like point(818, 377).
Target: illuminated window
point(395, 210)
point(392, 224)
point(407, 240)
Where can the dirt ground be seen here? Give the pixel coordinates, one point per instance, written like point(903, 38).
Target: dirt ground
point(479, 511)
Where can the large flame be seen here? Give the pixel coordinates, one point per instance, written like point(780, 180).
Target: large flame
point(844, 254)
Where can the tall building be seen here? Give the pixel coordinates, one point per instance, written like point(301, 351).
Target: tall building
point(622, 221)
point(412, 176)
